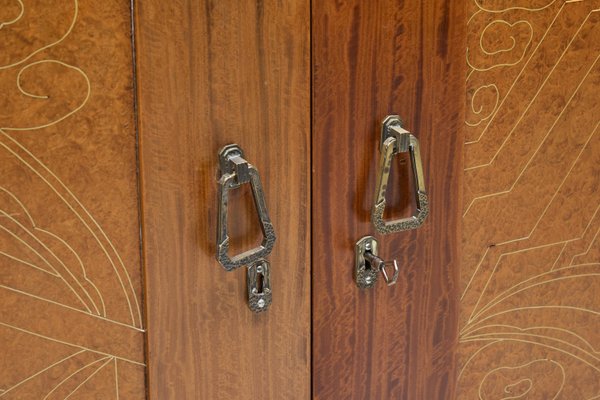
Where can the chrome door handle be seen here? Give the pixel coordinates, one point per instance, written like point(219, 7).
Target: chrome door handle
point(395, 139)
point(235, 171)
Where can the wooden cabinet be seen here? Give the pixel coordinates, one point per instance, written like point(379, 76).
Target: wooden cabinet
point(211, 74)
point(112, 115)
point(529, 286)
point(371, 60)
point(71, 305)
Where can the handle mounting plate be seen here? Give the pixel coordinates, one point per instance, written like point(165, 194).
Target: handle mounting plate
point(365, 277)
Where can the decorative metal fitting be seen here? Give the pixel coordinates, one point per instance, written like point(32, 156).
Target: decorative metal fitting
point(367, 264)
point(235, 171)
point(395, 139)
point(259, 286)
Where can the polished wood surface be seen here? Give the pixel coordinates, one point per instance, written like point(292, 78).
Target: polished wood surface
point(71, 318)
point(371, 59)
point(210, 74)
point(530, 275)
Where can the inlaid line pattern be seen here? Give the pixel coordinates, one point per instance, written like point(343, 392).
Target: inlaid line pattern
point(531, 241)
point(80, 281)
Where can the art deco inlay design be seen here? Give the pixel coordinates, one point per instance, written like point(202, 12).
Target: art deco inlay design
point(70, 287)
point(530, 305)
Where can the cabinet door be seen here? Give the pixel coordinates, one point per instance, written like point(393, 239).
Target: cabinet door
point(211, 74)
point(371, 59)
point(530, 276)
point(71, 320)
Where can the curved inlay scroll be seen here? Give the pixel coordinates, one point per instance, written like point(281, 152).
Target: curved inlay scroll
point(69, 292)
point(531, 247)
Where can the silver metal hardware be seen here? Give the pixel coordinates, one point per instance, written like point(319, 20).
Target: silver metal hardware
point(235, 171)
point(259, 286)
point(395, 139)
point(367, 264)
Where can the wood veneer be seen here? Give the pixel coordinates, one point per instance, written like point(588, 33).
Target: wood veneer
point(371, 59)
point(531, 244)
point(210, 74)
point(71, 318)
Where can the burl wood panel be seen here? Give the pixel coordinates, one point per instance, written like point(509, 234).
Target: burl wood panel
point(372, 59)
point(530, 307)
point(71, 322)
point(213, 73)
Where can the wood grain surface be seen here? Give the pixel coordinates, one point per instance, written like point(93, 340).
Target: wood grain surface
point(210, 74)
point(71, 321)
point(371, 59)
point(530, 284)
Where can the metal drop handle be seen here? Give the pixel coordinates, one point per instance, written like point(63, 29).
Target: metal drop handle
point(395, 139)
point(236, 171)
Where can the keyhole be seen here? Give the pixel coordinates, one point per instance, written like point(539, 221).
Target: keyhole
point(259, 279)
point(367, 263)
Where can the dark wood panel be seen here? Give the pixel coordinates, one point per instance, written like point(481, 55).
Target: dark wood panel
point(371, 59)
point(530, 275)
point(71, 320)
point(209, 74)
